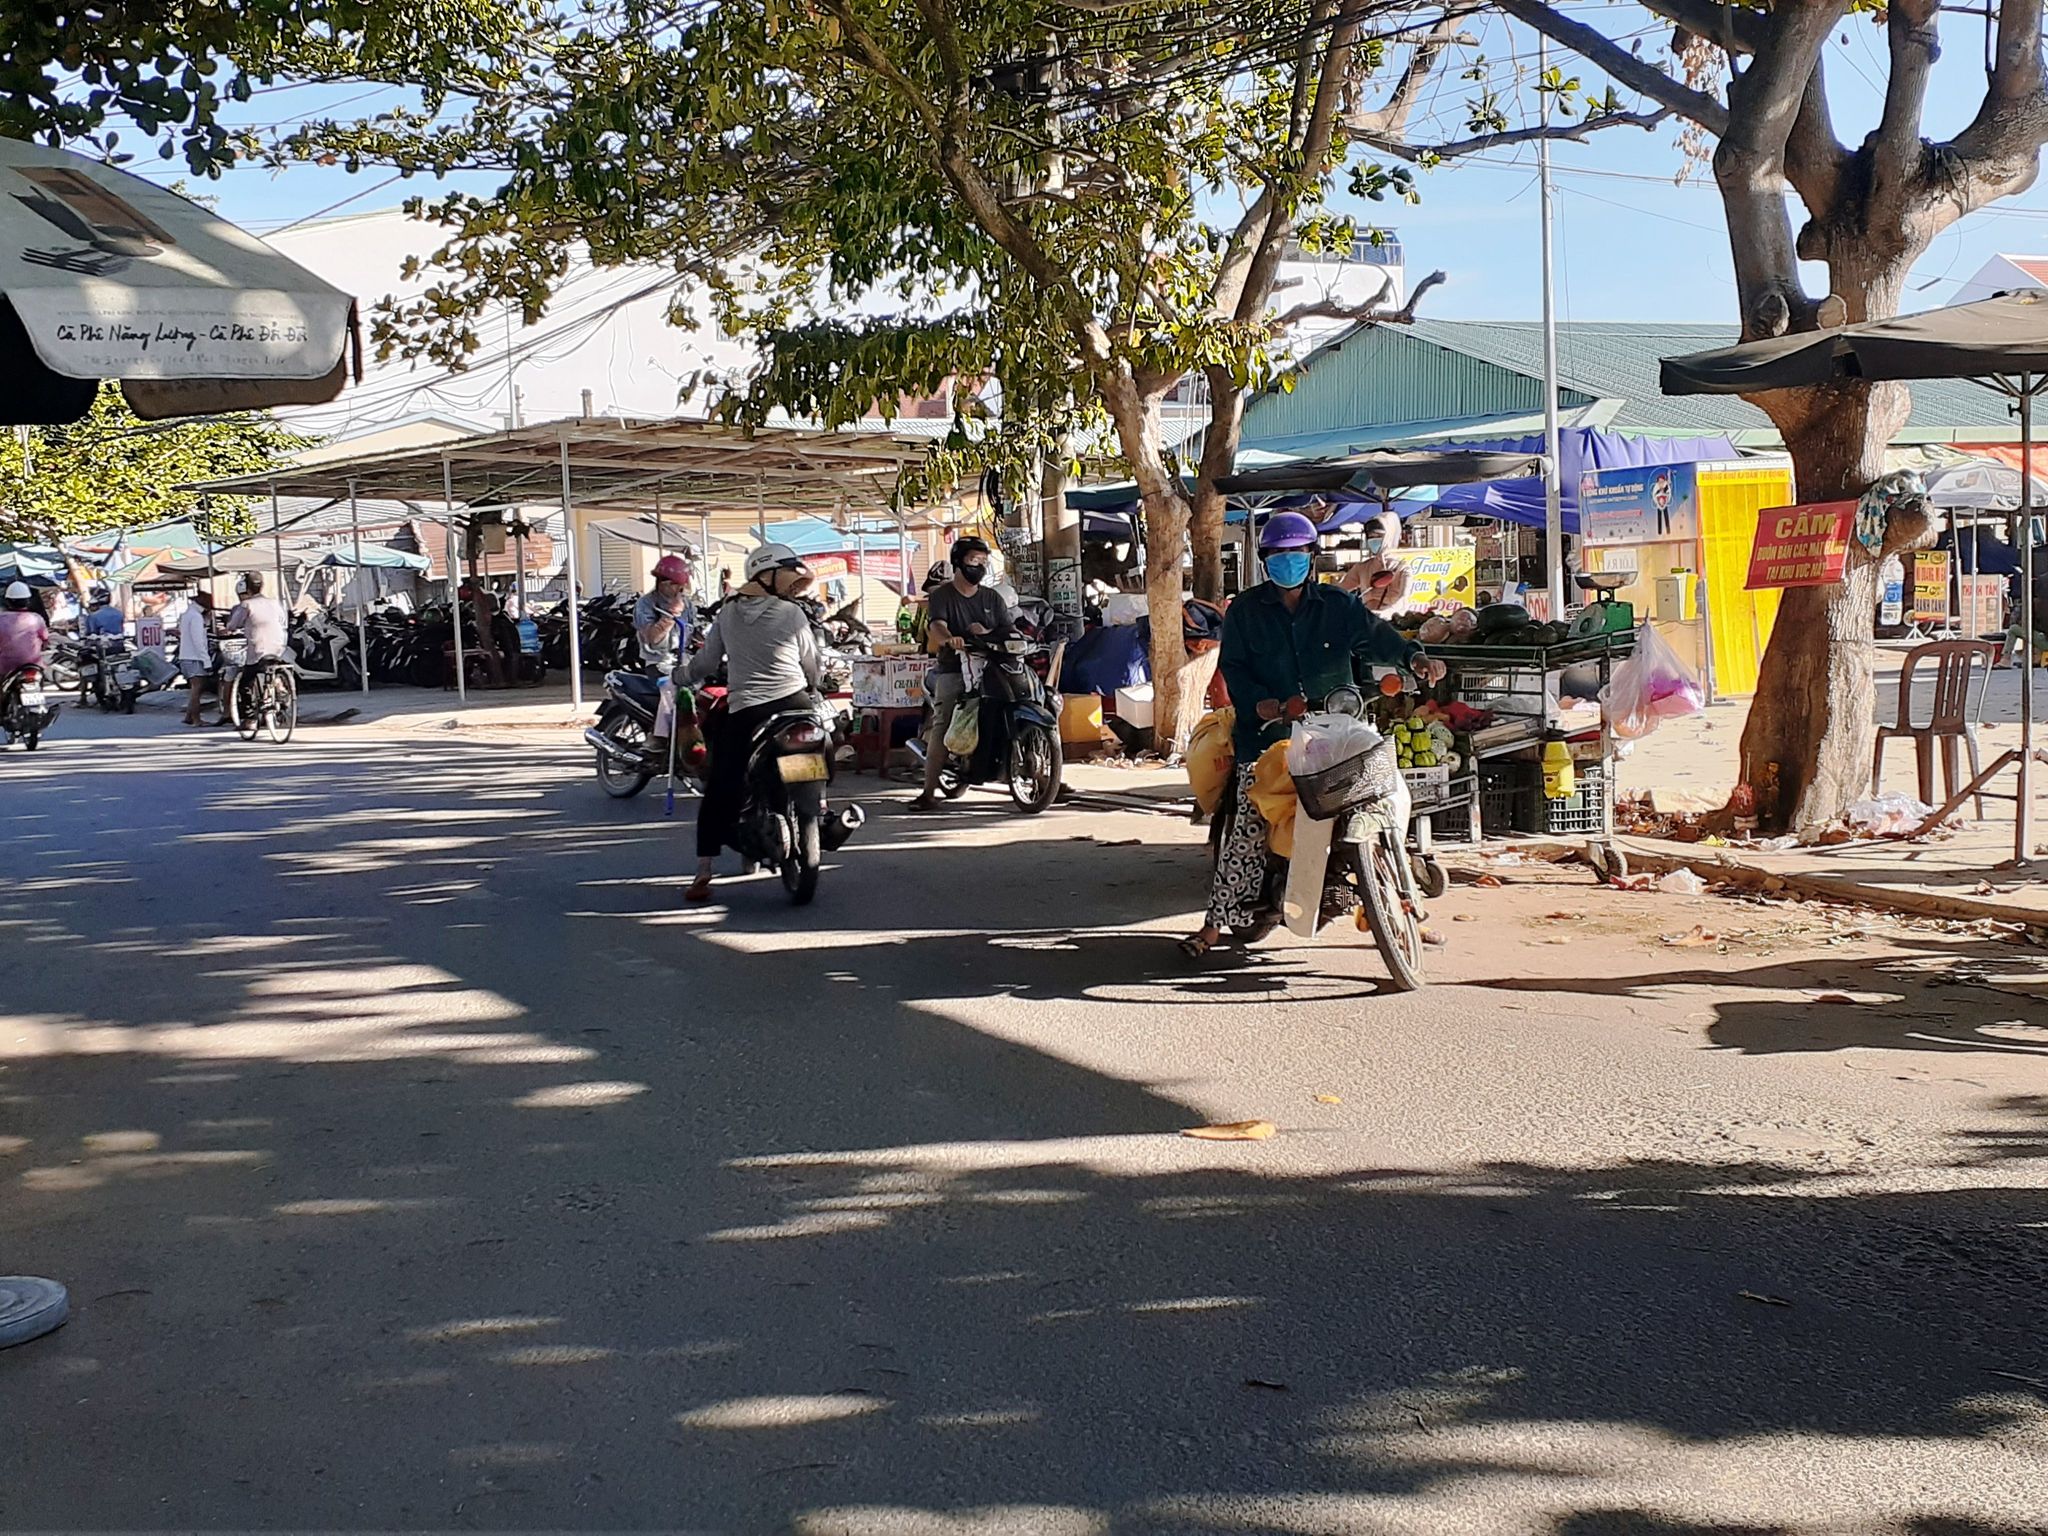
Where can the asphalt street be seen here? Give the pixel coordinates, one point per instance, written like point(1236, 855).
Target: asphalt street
point(416, 1160)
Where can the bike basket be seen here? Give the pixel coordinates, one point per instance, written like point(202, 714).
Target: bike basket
point(234, 652)
point(1370, 775)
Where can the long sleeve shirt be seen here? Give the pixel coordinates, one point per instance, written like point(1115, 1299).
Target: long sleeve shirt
point(1269, 653)
point(767, 647)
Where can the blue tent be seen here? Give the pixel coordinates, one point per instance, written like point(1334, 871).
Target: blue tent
point(376, 557)
point(1580, 449)
point(817, 536)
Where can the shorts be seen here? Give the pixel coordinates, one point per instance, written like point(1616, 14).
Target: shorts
point(192, 669)
point(945, 690)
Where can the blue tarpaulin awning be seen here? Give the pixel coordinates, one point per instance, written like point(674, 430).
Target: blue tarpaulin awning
point(1580, 449)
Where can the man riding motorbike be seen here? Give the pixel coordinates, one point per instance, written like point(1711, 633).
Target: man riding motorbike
point(1287, 643)
point(957, 610)
point(763, 638)
point(103, 618)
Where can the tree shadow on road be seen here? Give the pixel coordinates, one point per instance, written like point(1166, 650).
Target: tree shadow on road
point(391, 1196)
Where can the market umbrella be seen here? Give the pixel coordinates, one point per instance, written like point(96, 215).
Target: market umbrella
point(106, 276)
point(2001, 343)
point(1384, 471)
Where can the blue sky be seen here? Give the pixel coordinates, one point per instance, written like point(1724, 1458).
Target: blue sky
point(1631, 245)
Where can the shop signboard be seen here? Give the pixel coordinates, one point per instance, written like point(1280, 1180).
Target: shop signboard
point(1802, 546)
point(149, 630)
point(882, 564)
point(1982, 599)
point(1063, 586)
point(1440, 576)
point(1930, 586)
point(1647, 504)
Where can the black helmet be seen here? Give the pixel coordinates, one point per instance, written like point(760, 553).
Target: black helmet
point(938, 575)
point(99, 595)
point(967, 544)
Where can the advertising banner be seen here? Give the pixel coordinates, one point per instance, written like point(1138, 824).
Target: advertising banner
point(1983, 605)
point(1930, 586)
point(1802, 546)
point(1440, 576)
point(1653, 504)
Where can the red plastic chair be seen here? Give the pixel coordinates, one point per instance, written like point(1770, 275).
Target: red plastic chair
point(1952, 718)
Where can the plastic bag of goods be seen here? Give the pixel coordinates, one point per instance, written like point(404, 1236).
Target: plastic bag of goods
point(1652, 686)
point(964, 734)
point(1338, 761)
point(1210, 758)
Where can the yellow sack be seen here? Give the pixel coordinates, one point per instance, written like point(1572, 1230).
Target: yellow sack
point(1273, 794)
point(1210, 758)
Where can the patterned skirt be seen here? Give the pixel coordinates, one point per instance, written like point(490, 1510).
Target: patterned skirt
point(1241, 865)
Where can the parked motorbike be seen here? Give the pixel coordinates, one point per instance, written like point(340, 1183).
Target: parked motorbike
point(1369, 870)
point(625, 726)
point(605, 633)
point(26, 710)
point(323, 651)
point(107, 674)
point(1018, 736)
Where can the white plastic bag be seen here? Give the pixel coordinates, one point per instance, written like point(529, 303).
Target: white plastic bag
point(1650, 687)
point(1888, 815)
point(1324, 741)
point(963, 735)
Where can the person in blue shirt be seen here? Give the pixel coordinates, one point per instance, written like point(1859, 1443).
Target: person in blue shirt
point(104, 618)
point(1287, 643)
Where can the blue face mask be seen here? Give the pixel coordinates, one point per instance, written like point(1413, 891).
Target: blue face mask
point(1288, 567)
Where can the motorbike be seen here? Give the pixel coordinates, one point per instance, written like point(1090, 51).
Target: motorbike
point(107, 673)
point(625, 727)
point(1018, 739)
point(25, 707)
point(782, 823)
point(1370, 870)
point(323, 651)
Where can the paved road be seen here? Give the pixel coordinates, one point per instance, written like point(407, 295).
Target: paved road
point(417, 1162)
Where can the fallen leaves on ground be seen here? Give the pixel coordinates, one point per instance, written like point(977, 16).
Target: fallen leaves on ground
point(1234, 1130)
point(1464, 917)
point(1564, 917)
point(1490, 882)
point(1769, 1301)
point(1829, 997)
point(1328, 1098)
point(1265, 1385)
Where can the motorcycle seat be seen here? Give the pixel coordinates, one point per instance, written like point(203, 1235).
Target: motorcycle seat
point(632, 685)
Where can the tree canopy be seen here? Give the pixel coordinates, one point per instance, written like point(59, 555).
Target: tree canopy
point(111, 469)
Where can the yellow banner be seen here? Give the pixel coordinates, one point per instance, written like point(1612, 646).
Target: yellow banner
point(1440, 575)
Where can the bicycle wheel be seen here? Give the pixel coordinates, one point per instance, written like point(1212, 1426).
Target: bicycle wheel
point(281, 707)
point(1386, 889)
point(242, 704)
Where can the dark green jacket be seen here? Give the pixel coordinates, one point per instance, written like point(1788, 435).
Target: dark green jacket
point(1271, 654)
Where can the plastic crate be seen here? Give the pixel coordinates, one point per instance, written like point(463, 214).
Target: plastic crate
point(1507, 793)
point(1584, 810)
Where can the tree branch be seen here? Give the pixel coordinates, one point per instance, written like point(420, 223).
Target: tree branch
point(1735, 30)
point(1390, 119)
point(1575, 132)
point(1815, 159)
point(1367, 313)
point(1601, 52)
point(1913, 46)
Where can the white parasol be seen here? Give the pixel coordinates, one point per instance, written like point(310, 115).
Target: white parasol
point(106, 276)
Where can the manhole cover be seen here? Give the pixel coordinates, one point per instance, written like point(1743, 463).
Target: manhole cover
point(29, 1308)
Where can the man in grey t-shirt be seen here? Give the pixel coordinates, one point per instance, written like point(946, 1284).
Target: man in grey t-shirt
point(957, 611)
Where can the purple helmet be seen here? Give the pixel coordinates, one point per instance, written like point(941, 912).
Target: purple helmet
point(1287, 530)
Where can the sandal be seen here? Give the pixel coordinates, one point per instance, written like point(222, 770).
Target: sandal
point(1194, 946)
point(700, 889)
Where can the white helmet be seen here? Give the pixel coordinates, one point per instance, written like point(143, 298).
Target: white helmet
point(17, 592)
point(767, 557)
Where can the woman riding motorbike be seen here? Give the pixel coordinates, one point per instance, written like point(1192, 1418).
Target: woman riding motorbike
point(1287, 643)
point(763, 638)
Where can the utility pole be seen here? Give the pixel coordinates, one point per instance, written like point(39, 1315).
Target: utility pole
point(1553, 489)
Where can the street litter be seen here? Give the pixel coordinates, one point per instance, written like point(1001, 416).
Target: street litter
point(1692, 939)
point(1769, 1301)
point(1681, 882)
point(1891, 815)
point(1234, 1130)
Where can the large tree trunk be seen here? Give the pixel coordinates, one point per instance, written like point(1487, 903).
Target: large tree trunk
point(1219, 457)
point(1807, 746)
point(1136, 415)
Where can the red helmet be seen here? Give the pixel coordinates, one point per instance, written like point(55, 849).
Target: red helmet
point(672, 568)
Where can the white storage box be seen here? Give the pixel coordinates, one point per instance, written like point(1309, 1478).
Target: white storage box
point(1134, 706)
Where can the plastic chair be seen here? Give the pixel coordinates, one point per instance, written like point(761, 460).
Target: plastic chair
point(1952, 718)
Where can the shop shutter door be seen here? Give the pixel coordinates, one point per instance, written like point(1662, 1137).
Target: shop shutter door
point(617, 570)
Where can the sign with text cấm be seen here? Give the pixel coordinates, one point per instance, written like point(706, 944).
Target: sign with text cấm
point(1802, 546)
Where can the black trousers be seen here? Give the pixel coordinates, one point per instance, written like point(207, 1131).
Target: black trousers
point(725, 785)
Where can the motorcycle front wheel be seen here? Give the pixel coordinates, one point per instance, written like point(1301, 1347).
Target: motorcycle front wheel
point(1386, 888)
point(1035, 769)
point(615, 778)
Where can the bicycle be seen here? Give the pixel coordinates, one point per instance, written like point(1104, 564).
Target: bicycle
point(262, 697)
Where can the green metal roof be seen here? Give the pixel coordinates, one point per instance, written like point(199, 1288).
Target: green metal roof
point(1383, 376)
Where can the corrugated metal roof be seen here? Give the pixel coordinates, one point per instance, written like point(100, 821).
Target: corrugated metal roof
point(1378, 376)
